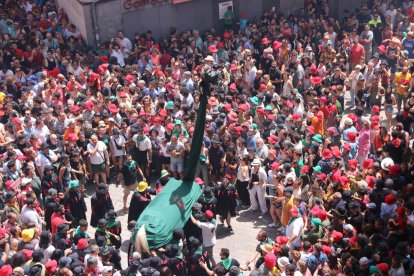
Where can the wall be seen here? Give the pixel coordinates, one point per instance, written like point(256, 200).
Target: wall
point(290, 6)
point(108, 19)
point(76, 14)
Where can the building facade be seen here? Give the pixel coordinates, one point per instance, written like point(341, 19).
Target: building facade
point(99, 20)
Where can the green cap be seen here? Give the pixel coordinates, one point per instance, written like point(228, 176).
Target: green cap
point(317, 138)
point(178, 122)
point(254, 100)
point(269, 108)
point(317, 169)
point(170, 105)
point(316, 221)
point(73, 184)
point(253, 125)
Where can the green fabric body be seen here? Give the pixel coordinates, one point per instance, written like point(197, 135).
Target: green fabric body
point(171, 208)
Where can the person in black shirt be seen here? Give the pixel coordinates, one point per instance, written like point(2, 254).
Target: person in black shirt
point(129, 173)
point(276, 77)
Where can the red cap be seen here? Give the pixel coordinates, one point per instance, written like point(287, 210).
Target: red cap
point(316, 80)
point(394, 170)
point(75, 108)
point(129, 78)
point(294, 212)
point(305, 169)
point(270, 260)
point(351, 136)
point(82, 244)
point(113, 108)
point(353, 240)
point(243, 107)
point(262, 86)
point(209, 215)
point(10, 184)
point(233, 67)
point(27, 254)
point(275, 165)
point(281, 240)
point(169, 126)
point(327, 154)
point(353, 117)
point(162, 112)
point(226, 35)
point(352, 163)
point(368, 163)
point(370, 181)
point(383, 267)
point(321, 176)
point(311, 129)
point(6, 270)
point(337, 236)
point(265, 41)
point(272, 139)
point(335, 151)
point(227, 108)
point(376, 109)
point(88, 105)
point(390, 199)
point(212, 48)
point(51, 266)
point(16, 120)
point(327, 249)
point(295, 116)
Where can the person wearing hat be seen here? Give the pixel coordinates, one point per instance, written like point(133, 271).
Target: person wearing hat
point(102, 231)
point(294, 229)
point(257, 187)
point(162, 181)
point(75, 203)
point(101, 203)
point(139, 201)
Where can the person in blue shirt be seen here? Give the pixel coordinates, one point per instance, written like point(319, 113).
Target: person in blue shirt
point(408, 44)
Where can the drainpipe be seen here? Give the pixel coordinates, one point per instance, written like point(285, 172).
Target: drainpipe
point(95, 22)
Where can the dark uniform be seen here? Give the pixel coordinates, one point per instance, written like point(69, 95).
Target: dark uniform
point(101, 203)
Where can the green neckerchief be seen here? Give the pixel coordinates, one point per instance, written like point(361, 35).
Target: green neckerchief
point(130, 165)
point(139, 139)
point(81, 233)
point(111, 223)
point(292, 219)
point(98, 229)
point(226, 263)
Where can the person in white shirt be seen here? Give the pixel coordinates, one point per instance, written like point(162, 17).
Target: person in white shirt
point(41, 130)
point(208, 230)
point(99, 158)
point(294, 229)
point(28, 215)
point(143, 156)
point(257, 187)
point(44, 158)
point(117, 146)
point(124, 41)
point(116, 51)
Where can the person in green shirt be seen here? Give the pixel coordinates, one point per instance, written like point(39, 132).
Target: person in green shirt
point(229, 18)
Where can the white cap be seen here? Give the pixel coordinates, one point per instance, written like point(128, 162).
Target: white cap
point(363, 261)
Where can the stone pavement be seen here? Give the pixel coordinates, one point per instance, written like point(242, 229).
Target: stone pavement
point(241, 244)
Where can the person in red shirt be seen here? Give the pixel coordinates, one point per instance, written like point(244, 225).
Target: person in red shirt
point(357, 51)
point(58, 217)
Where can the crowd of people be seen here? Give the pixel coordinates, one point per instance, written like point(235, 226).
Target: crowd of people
point(309, 120)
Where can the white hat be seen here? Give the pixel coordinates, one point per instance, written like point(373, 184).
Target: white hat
point(348, 227)
point(106, 269)
point(26, 180)
point(209, 58)
point(371, 205)
point(348, 121)
point(358, 67)
point(282, 262)
point(386, 162)
point(363, 261)
point(256, 162)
